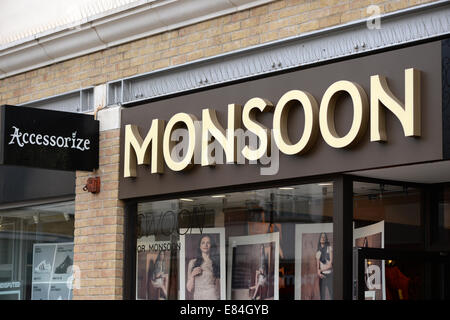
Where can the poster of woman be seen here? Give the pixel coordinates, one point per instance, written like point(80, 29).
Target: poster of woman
point(202, 264)
point(253, 264)
point(372, 236)
point(153, 268)
point(314, 261)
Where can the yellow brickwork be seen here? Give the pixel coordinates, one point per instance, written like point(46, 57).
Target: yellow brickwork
point(274, 21)
point(99, 233)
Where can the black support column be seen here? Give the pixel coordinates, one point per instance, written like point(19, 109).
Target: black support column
point(129, 268)
point(343, 238)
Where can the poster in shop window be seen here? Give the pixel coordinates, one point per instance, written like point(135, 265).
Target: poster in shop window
point(62, 268)
point(314, 261)
point(253, 267)
point(43, 256)
point(40, 291)
point(59, 291)
point(266, 227)
point(372, 236)
point(153, 268)
point(202, 264)
point(52, 276)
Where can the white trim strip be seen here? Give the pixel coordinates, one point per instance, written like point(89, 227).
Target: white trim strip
point(107, 31)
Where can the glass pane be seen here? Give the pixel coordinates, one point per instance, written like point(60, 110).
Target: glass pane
point(442, 225)
point(389, 216)
point(397, 207)
point(36, 251)
point(394, 279)
point(257, 244)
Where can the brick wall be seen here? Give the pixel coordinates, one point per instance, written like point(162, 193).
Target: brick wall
point(270, 22)
point(99, 233)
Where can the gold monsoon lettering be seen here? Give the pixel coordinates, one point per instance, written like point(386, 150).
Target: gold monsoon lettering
point(157, 145)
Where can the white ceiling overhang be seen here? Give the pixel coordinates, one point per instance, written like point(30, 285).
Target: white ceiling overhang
point(111, 29)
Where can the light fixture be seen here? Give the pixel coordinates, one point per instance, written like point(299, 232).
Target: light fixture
point(219, 196)
point(186, 199)
point(286, 188)
point(324, 184)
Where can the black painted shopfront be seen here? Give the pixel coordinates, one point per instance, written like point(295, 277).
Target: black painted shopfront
point(369, 220)
point(39, 153)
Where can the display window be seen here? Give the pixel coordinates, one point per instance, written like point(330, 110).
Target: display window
point(265, 244)
point(390, 217)
point(441, 224)
point(36, 252)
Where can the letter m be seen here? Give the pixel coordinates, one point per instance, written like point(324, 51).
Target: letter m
point(137, 150)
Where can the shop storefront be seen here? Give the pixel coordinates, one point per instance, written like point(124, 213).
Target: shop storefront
point(214, 215)
point(39, 155)
point(36, 240)
point(228, 150)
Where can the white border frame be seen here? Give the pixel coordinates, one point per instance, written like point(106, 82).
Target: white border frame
point(369, 231)
point(301, 229)
point(182, 268)
point(255, 239)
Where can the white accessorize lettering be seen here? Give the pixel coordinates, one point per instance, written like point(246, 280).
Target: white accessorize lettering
point(67, 141)
point(25, 134)
point(79, 141)
point(60, 142)
point(86, 144)
point(46, 142)
point(16, 135)
point(22, 139)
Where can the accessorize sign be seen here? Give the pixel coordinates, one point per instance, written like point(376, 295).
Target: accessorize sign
point(380, 110)
point(48, 139)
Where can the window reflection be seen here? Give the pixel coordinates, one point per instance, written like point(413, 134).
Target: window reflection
point(36, 251)
point(267, 243)
point(389, 216)
point(441, 234)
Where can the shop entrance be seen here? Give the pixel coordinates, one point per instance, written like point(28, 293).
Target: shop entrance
point(399, 233)
point(400, 247)
point(404, 274)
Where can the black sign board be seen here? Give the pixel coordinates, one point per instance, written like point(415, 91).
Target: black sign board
point(48, 139)
point(321, 159)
